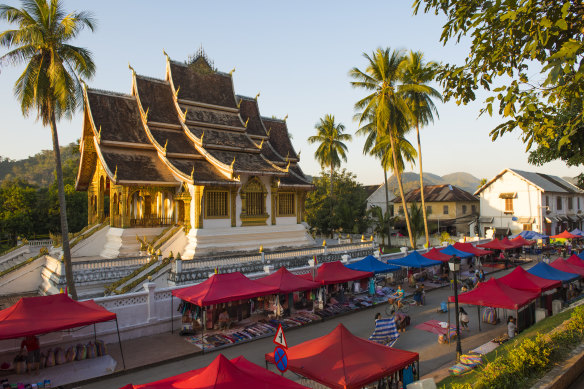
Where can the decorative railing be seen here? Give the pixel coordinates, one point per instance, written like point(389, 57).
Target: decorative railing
point(40, 243)
point(110, 263)
point(152, 222)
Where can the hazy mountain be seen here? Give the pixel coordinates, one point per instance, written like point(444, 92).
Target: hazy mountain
point(411, 180)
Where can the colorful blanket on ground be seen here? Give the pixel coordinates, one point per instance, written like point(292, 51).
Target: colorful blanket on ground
point(385, 332)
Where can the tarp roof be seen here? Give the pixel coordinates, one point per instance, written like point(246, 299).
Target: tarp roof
point(562, 265)
point(530, 235)
point(44, 314)
point(286, 282)
point(522, 280)
point(496, 294)
point(544, 270)
point(469, 248)
point(372, 264)
point(414, 259)
point(221, 288)
point(238, 373)
point(336, 273)
point(575, 260)
point(577, 231)
point(523, 241)
point(565, 235)
point(495, 244)
point(450, 250)
point(436, 255)
point(513, 244)
point(341, 360)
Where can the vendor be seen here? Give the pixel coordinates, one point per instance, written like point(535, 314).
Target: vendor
point(33, 349)
point(224, 320)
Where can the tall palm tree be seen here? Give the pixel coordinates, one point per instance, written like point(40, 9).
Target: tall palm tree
point(49, 83)
point(381, 78)
point(331, 147)
point(417, 74)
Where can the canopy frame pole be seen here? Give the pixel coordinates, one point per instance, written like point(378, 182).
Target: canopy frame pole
point(204, 320)
point(448, 309)
point(418, 370)
point(171, 312)
point(120, 343)
point(479, 316)
point(94, 334)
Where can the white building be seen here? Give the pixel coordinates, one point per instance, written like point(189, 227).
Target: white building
point(377, 198)
point(516, 200)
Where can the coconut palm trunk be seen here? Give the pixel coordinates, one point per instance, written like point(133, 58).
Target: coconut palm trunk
point(422, 186)
point(62, 209)
point(401, 189)
point(387, 207)
point(332, 201)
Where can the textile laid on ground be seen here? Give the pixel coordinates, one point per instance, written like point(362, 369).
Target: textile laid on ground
point(385, 331)
point(221, 288)
point(44, 314)
point(222, 373)
point(436, 327)
point(485, 348)
point(341, 360)
point(372, 264)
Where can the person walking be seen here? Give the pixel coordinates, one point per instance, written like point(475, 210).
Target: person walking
point(33, 349)
point(464, 319)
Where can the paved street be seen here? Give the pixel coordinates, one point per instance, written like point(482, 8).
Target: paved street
point(433, 356)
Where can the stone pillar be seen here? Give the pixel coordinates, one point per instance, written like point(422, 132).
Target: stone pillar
point(298, 196)
point(125, 208)
point(345, 258)
point(151, 311)
point(274, 193)
point(233, 208)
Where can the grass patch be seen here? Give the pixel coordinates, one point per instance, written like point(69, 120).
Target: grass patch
point(562, 342)
point(390, 250)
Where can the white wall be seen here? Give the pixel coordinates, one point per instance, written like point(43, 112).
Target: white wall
point(287, 220)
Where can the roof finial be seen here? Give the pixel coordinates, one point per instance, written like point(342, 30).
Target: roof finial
point(258, 95)
point(146, 114)
point(116, 174)
point(99, 134)
point(288, 156)
point(285, 117)
point(288, 167)
point(176, 92)
point(231, 72)
point(232, 163)
point(185, 114)
point(192, 172)
point(131, 68)
point(262, 144)
point(166, 55)
point(165, 146)
point(247, 121)
point(298, 154)
point(269, 130)
point(202, 135)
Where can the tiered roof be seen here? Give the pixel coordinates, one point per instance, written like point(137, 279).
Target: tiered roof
point(189, 127)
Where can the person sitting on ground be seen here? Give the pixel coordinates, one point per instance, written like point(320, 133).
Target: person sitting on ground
point(33, 349)
point(401, 321)
point(464, 319)
point(224, 321)
point(511, 327)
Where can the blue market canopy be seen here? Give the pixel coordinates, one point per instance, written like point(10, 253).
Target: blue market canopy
point(577, 231)
point(530, 235)
point(372, 264)
point(450, 250)
point(415, 259)
point(544, 270)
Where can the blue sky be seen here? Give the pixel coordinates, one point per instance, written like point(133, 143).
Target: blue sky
point(296, 54)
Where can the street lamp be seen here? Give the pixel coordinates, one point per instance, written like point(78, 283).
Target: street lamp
point(454, 265)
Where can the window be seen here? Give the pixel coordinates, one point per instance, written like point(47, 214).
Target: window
point(464, 209)
point(445, 210)
point(428, 209)
point(255, 204)
point(527, 227)
point(473, 208)
point(559, 203)
point(578, 201)
point(400, 210)
point(547, 201)
point(286, 204)
point(508, 205)
point(570, 203)
point(216, 204)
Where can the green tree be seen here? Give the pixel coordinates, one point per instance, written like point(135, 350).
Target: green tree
point(49, 83)
point(380, 221)
point(381, 77)
point(419, 95)
point(527, 55)
point(331, 148)
point(17, 209)
point(417, 220)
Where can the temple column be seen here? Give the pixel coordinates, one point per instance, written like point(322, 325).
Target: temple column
point(198, 204)
point(300, 196)
point(187, 205)
point(233, 210)
point(125, 208)
point(274, 193)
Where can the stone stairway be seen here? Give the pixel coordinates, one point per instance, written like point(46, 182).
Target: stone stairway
point(17, 256)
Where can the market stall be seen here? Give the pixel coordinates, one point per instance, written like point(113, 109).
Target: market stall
point(344, 361)
point(336, 273)
point(373, 265)
point(222, 373)
point(415, 260)
point(523, 280)
point(575, 260)
point(469, 248)
point(435, 255)
point(544, 270)
point(45, 314)
point(495, 244)
point(464, 256)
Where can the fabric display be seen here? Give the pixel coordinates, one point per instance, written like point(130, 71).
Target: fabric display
point(467, 363)
point(489, 315)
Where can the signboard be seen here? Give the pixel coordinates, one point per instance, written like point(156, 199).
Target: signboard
point(280, 359)
point(280, 339)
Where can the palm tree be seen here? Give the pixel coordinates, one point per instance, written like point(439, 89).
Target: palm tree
point(380, 221)
point(418, 224)
point(419, 94)
point(49, 82)
point(331, 149)
point(385, 101)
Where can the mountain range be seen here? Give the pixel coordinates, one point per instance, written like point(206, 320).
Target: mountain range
point(411, 180)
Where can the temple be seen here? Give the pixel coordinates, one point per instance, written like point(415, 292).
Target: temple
point(187, 150)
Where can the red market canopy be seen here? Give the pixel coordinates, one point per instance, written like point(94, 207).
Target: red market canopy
point(44, 314)
point(336, 273)
point(562, 265)
point(512, 244)
point(523, 280)
point(436, 255)
point(565, 235)
point(469, 248)
point(523, 241)
point(221, 288)
point(495, 244)
point(575, 260)
point(341, 360)
point(286, 282)
point(496, 294)
point(222, 373)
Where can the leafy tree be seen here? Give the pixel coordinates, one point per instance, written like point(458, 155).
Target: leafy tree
point(386, 102)
point(380, 221)
point(417, 75)
point(331, 147)
point(17, 204)
point(49, 83)
point(350, 200)
point(527, 54)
